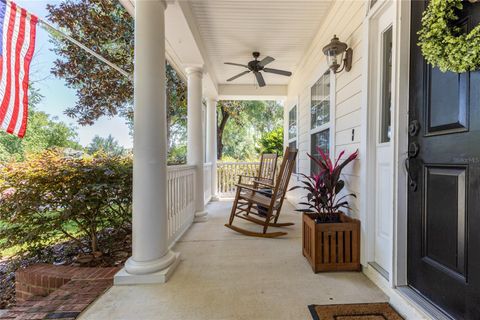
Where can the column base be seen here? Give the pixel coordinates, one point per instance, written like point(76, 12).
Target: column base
point(201, 216)
point(215, 198)
point(147, 272)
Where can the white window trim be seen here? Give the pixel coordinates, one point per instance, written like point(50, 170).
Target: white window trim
point(331, 123)
point(295, 139)
point(288, 126)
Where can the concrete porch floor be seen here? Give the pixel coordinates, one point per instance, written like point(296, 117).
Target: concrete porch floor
point(225, 275)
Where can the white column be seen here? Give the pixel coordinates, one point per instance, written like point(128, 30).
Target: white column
point(195, 152)
point(151, 261)
point(212, 142)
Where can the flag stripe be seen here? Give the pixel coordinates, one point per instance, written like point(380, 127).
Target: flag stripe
point(7, 63)
point(26, 73)
point(18, 45)
point(15, 104)
point(12, 74)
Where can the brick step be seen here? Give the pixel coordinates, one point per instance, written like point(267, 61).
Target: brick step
point(45, 291)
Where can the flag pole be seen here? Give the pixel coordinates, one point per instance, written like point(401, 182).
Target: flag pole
point(85, 48)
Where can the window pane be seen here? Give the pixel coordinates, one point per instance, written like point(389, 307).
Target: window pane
point(319, 140)
point(386, 100)
point(292, 123)
point(293, 145)
point(320, 101)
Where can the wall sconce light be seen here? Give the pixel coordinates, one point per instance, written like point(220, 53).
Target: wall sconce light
point(335, 52)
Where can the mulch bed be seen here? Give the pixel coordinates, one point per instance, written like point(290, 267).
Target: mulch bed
point(116, 247)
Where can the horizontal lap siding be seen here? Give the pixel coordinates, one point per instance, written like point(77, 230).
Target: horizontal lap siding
point(345, 20)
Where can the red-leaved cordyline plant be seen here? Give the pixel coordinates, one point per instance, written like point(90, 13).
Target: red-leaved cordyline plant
point(324, 187)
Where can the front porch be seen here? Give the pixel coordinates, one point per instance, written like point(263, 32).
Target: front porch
point(225, 275)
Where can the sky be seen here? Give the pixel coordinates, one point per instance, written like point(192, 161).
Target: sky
point(57, 97)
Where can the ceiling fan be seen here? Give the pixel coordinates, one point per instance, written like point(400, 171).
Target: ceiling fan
point(256, 66)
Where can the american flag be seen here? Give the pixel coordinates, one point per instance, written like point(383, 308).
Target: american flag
point(18, 31)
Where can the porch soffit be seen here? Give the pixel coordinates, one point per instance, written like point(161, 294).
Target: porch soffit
point(210, 32)
point(230, 30)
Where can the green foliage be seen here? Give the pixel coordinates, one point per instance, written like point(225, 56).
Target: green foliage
point(107, 145)
point(43, 132)
point(446, 46)
point(177, 155)
point(106, 27)
point(101, 90)
point(241, 124)
point(51, 196)
point(272, 142)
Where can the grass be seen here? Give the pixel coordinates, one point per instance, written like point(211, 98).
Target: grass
point(72, 228)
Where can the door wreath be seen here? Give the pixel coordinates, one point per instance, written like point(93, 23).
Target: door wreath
point(446, 46)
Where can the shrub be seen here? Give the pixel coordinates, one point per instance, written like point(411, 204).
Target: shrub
point(52, 196)
point(324, 188)
point(272, 142)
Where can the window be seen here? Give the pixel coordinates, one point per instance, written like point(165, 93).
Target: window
point(292, 123)
point(320, 118)
point(386, 99)
point(292, 131)
point(320, 96)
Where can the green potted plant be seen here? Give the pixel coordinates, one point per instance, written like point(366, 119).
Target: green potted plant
point(331, 239)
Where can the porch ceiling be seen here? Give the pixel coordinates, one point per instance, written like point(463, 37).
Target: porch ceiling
point(230, 30)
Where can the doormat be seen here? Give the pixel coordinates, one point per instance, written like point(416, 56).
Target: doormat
point(362, 311)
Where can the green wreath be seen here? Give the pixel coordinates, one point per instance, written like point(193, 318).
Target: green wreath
point(445, 46)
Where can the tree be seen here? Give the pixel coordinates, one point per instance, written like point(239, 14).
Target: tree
point(272, 142)
point(108, 145)
point(226, 110)
point(43, 132)
point(241, 123)
point(108, 29)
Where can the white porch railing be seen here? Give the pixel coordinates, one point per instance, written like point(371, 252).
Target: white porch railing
point(207, 181)
point(180, 200)
point(227, 175)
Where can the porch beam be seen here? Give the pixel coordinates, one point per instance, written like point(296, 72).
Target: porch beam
point(251, 92)
point(195, 148)
point(151, 261)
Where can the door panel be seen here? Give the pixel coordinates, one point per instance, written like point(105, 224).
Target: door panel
point(444, 194)
point(444, 231)
point(381, 55)
point(447, 105)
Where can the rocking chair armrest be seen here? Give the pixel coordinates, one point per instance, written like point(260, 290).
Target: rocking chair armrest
point(264, 183)
point(242, 186)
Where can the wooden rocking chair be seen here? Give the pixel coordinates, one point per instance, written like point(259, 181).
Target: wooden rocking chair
point(266, 172)
point(251, 200)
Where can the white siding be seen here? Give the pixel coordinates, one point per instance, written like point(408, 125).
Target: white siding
point(345, 20)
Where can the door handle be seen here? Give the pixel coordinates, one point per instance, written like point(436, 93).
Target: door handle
point(413, 151)
point(411, 180)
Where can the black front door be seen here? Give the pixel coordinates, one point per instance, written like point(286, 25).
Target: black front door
point(444, 191)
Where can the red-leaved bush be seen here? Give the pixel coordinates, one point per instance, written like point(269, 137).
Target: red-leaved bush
point(323, 198)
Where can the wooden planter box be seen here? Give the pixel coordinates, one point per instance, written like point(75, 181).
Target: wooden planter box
point(332, 246)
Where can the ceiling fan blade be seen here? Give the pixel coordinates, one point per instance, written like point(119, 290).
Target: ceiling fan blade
point(276, 71)
point(266, 61)
point(238, 75)
point(236, 64)
point(260, 80)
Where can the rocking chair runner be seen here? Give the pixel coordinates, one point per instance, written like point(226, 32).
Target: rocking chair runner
point(266, 172)
point(248, 199)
